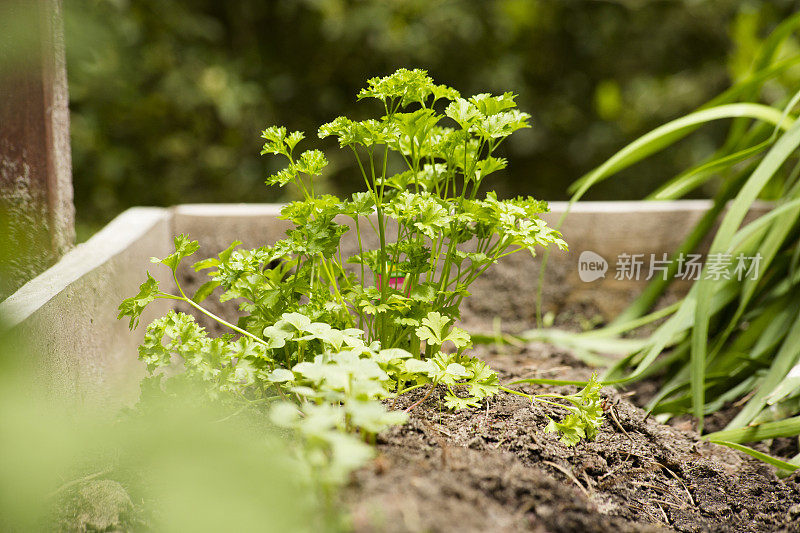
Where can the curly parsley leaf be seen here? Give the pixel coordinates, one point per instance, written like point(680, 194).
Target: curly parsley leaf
point(585, 418)
point(484, 381)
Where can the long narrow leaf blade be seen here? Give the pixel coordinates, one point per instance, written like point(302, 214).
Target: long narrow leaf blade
point(774, 461)
point(772, 161)
point(668, 134)
point(789, 427)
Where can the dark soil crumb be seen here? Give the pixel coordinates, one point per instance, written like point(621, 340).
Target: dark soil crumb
point(495, 469)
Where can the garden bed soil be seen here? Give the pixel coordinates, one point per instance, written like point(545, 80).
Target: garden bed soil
point(495, 469)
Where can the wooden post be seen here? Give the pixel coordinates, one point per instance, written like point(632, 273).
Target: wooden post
point(36, 209)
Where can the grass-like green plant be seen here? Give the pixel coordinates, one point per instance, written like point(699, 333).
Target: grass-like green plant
point(727, 340)
point(325, 337)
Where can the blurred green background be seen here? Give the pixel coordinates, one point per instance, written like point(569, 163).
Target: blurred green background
point(168, 98)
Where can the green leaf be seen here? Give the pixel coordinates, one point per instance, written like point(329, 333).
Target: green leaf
point(312, 162)
point(274, 135)
point(502, 124)
point(222, 257)
point(689, 180)
point(463, 112)
point(442, 368)
point(318, 236)
point(284, 414)
point(132, 307)
point(790, 351)
point(443, 91)
point(433, 328)
point(435, 332)
point(408, 86)
point(668, 134)
point(392, 355)
point(490, 105)
point(293, 138)
point(778, 411)
point(487, 166)
point(789, 427)
point(455, 403)
point(281, 375)
point(432, 217)
point(570, 429)
point(459, 337)
point(183, 248)
point(299, 321)
point(784, 465)
point(415, 127)
point(347, 453)
point(282, 177)
point(205, 290)
point(415, 366)
point(424, 292)
point(373, 417)
point(456, 371)
point(372, 309)
point(790, 384)
point(484, 381)
point(276, 336)
point(179, 334)
point(585, 418)
point(360, 204)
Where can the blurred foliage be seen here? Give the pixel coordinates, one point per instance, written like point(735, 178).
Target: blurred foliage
point(168, 97)
point(174, 463)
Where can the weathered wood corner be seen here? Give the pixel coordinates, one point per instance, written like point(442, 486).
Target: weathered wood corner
point(36, 209)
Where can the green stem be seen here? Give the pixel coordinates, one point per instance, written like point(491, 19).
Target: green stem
point(224, 322)
point(409, 389)
point(209, 313)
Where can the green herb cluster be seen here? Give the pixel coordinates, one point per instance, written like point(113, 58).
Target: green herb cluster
point(585, 415)
point(423, 216)
point(324, 338)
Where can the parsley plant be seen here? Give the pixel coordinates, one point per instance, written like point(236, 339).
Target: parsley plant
point(325, 337)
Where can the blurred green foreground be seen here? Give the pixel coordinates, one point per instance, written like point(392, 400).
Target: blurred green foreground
point(171, 465)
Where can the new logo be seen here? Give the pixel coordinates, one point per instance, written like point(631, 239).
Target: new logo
point(591, 266)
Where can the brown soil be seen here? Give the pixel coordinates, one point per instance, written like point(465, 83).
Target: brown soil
point(495, 469)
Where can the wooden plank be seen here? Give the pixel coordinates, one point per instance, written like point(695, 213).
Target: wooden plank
point(36, 210)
